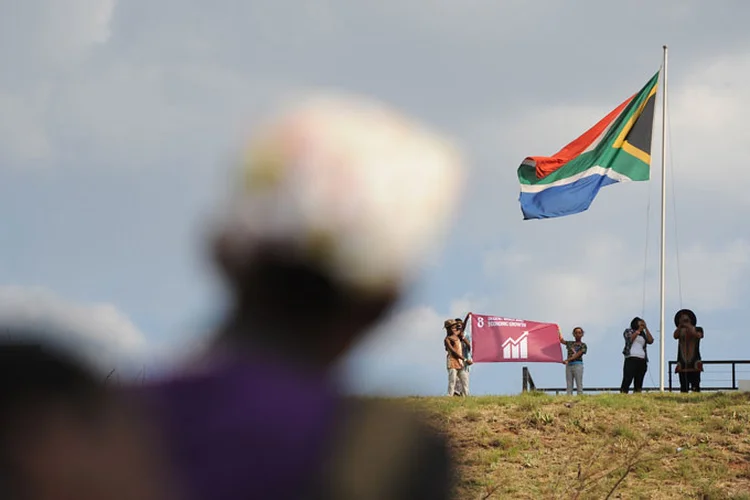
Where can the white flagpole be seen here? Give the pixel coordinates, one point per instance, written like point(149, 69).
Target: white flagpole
point(662, 326)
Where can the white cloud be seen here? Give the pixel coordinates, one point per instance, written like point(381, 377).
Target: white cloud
point(717, 274)
point(135, 114)
point(593, 280)
point(708, 109)
point(403, 355)
point(459, 308)
point(42, 42)
point(151, 110)
point(412, 330)
point(600, 280)
point(50, 33)
point(98, 331)
point(542, 130)
point(63, 99)
point(22, 129)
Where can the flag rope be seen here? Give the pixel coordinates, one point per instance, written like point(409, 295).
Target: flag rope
point(645, 256)
point(674, 207)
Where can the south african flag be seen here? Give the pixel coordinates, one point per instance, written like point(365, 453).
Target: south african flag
point(616, 149)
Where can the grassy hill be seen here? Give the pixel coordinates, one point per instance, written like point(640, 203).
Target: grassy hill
point(602, 446)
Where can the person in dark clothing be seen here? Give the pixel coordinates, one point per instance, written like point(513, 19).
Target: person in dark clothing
point(637, 339)
point(335, 204)
point(64, 435)
point(689, 363)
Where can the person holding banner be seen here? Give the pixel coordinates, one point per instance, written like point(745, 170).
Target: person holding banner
point(462, 386)
point(455, 357)
point(574, 362)
point(637, 338)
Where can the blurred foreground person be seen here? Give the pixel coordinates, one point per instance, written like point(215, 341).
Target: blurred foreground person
point(64, 436)
point(334, 208)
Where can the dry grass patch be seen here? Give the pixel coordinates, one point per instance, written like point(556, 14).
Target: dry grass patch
point(605, 446)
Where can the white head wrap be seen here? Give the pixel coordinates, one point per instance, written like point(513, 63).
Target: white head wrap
point(349, 185)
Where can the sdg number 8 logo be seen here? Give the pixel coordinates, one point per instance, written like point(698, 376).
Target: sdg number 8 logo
point(480, 322)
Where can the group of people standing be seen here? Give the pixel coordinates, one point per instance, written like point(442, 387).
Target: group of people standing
point(689, 364)
point(637, 339)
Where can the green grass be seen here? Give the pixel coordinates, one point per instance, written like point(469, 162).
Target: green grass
point(626, 446)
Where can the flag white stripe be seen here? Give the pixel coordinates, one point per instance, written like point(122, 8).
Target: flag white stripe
point(595, 170)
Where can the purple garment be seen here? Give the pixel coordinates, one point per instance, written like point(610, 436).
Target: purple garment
point(251, 428)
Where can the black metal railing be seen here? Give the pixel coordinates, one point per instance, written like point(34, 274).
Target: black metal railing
point(727, 380)
point(711, 374)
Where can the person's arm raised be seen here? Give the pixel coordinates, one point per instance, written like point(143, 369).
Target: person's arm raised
point(649, 337)
point(466, 321)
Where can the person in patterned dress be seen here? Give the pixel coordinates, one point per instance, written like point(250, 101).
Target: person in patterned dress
point(689, 363)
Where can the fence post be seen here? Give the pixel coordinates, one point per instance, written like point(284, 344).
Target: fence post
point(669, 371)
point(528, 382)
point(734, 379)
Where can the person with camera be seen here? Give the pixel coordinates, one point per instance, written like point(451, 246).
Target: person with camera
point(637, 339)
point(688, 336)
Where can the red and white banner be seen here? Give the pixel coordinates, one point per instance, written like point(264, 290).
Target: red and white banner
point(505, 340)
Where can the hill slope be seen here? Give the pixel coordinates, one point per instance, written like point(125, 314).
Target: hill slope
point(626, 446)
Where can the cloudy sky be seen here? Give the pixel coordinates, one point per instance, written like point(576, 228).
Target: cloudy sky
point(118, 118)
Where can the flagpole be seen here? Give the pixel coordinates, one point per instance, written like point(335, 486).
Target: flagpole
point(662, 325)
